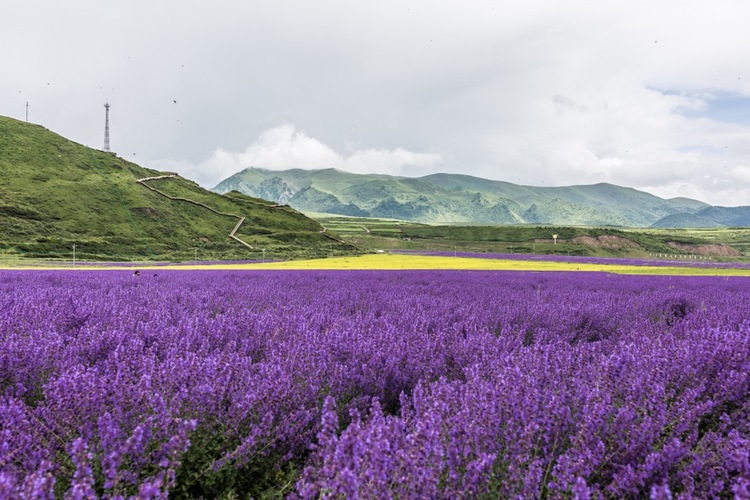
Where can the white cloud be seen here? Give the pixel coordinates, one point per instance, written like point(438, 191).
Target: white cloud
point(284, 147)
point(625, 134)
point(396, 162)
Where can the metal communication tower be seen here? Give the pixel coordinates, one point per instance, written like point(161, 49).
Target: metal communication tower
point(106, 127)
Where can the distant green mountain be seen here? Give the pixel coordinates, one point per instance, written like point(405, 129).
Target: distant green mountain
point(708, 217)
point(459, 199)
point(55, 193)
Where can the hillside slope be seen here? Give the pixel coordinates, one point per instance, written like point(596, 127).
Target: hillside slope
point(451, 198)
point(55, 193)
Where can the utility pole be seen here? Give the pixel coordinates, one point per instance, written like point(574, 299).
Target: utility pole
point(106, 127)
point(27, 111)
point(195, 256)
point(74, 256)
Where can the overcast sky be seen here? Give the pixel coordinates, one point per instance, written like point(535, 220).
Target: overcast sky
point(653, 94)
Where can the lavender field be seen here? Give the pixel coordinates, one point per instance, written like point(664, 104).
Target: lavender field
point(373, 384)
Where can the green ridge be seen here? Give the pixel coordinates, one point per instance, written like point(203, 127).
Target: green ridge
point(55, 193)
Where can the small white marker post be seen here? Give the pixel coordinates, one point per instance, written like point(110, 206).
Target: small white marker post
point(554, 239)
point(74, 256)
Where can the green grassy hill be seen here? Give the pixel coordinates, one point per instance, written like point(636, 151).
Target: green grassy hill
point(457, 199)
point(55, 193)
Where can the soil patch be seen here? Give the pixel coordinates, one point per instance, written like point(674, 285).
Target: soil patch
point(605, 241)
point(718, 249)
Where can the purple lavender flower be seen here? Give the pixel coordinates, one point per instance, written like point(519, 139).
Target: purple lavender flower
point(373, 384)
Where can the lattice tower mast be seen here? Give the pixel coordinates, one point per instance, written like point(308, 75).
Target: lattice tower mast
point(106, 127)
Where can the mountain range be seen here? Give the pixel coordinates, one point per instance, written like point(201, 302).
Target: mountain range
point(462, 199)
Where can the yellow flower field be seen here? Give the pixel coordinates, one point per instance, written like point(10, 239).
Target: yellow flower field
point(397, 262)
point(405, 262)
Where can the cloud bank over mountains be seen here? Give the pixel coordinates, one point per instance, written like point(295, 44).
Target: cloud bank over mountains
point(652, 95)
point(286, 147)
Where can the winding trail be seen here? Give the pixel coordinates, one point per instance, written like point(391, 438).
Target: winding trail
point(172, 176)
point(232, 235)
